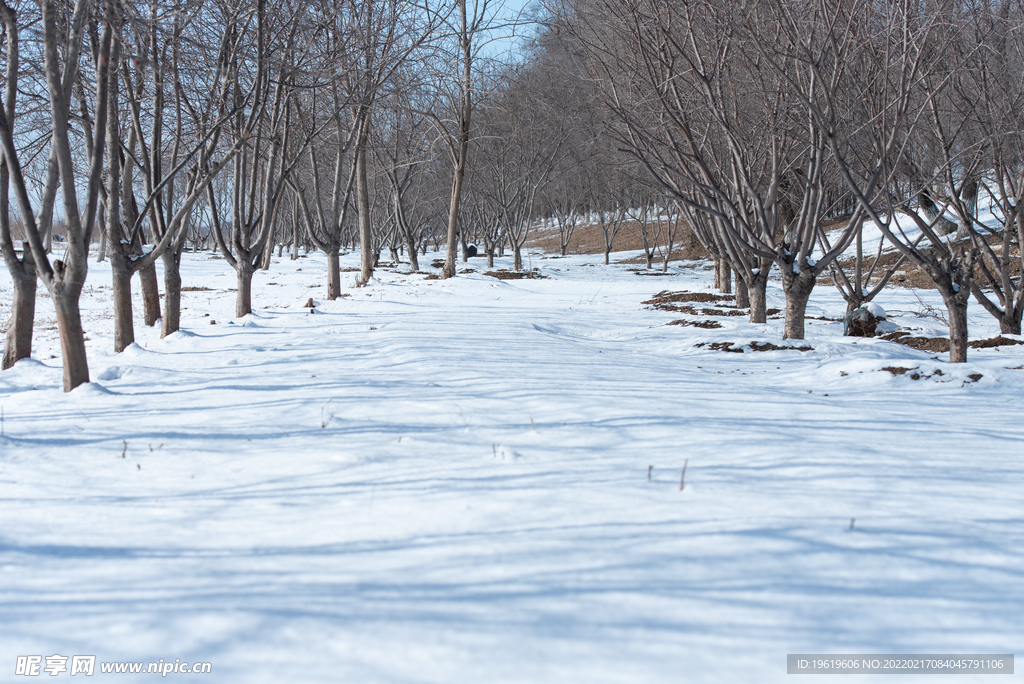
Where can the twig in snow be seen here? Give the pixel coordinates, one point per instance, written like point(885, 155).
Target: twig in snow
point(125, 450)
point(649, 469)
point(682, 480)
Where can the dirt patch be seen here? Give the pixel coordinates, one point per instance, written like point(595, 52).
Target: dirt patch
point(641, 272)
point(707, 325)
point(201, 289)
point(993, 342)
point(931, 344)
point(772, 312)
point(897, 370)
point(721, 346)
point(437, 263)
point(515, 275)
point(666, 296)
point(754, 346)
point(693, 311)
point(432, 276)
point(768, 346)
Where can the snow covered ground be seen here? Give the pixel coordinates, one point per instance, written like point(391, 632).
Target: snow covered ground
point(447, 481)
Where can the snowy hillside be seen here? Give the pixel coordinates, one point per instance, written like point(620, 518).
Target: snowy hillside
point(478, 480)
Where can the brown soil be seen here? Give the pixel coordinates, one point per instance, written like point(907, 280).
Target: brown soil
point(708, 325)
point(941, 344)
point(666, 296)
point(515, 275)
point(196, 289)
point(994, 342)
point(754, 346)
point(687, 309)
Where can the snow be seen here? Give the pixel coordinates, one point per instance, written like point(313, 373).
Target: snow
point(875, 310)
point(447, 481)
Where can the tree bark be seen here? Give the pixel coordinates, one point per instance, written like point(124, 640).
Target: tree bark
point(333, 275)
point(725, 282)
point(742, 295)
point(150, 294)
point(23, 311)
point(124, 326)
point(955, 302)
point(366, 251)
point(72, 336)
point(956, 306)
point(172, 292)
point(243, 301)
point(798, 287)
point(517, 258)
point(758, 292)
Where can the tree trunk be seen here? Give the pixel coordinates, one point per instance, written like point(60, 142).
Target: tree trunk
point(853, 302)
point(366, 251)
point(23, 313)
point(606, 253)
point(757, 291)
point(243, 301)
point(725, 284)
point(333, 275)
point(742, 295)
point(124, 325)
point(102, 254)
point(72, 337)
point(798, 287)
point(490, 258)
point(172, 292)
point(956, 306)
point(150, 294)
point(410, 246)
point(517, 257)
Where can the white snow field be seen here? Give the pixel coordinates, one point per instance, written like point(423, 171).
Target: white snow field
point(447, 481)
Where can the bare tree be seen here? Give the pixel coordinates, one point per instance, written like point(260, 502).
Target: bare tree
point(63, 278)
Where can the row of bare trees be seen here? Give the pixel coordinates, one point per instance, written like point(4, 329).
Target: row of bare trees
point(337, 124)
point(763, 118)
point(232, 119)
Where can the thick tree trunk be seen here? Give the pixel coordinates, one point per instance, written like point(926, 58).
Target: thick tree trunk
point(243, 301)
point(490, 258)
point(333, 275)
point(410, 246)
point(853, 302)
point(172, 293)
point(606, 253)
point(124, 325)
point(23, 312)
point(798, 288)
point(72, 338)
point(150, 294)
point(758, 292)
point(517, 257)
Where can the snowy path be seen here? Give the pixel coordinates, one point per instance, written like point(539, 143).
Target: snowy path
point(358, 495)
